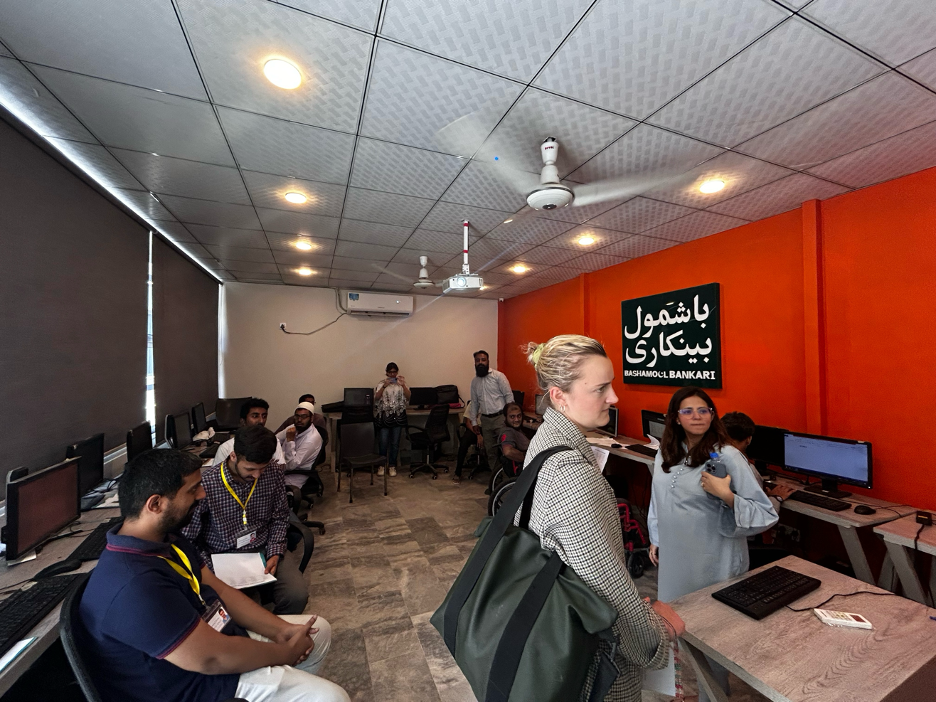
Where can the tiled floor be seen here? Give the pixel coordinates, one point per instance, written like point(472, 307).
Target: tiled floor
point(383, 567)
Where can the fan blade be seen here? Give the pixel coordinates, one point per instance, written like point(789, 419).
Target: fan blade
point(393, 273)
point(617, 188)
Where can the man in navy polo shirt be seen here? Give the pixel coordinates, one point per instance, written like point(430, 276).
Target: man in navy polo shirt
point(158, 626)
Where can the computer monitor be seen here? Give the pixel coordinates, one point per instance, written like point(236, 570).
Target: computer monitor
point(199, 422)
point(422, 397)
point(766, 447)
point(358, 397)
point(227, 412)
point(653, 424)
point(39, 505)
point(90, 455)
point(178, 430)
point(447, 394)
point(611, 428)
point(831, 459)
point(540, 404)
point(139, 439)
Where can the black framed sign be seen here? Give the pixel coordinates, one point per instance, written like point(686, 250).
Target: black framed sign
point(673, 338)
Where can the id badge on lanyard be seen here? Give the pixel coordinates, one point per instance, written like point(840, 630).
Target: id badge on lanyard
point(216, 616)
point(246, 537)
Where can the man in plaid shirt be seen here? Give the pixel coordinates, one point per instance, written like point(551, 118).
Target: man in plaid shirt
point(245, 510)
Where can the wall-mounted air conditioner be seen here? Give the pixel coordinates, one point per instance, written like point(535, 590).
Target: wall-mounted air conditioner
point(379, 304)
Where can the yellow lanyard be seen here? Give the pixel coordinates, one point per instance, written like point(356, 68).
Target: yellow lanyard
point(242, 504)
point(186, 572)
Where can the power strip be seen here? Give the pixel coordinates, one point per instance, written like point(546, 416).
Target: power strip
point(924, 518)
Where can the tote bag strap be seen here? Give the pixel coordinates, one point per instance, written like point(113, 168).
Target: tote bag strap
point(496, 529)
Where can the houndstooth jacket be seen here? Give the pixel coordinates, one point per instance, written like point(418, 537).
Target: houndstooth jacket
point(575, 514)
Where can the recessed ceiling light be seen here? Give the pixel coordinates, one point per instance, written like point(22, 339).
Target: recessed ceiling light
point(295, 198)
point(304, 245)
point(305, 271)
point(519, 268)
point(508, 221)
point(282, 74)
point(712, 186)
point(586, 240)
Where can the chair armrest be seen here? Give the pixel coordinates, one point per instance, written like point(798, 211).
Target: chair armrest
point(308, 539)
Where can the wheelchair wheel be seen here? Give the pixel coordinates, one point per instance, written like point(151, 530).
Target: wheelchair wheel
point(497, 479)
point(498, 496)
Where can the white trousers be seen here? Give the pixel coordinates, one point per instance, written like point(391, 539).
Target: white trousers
point(284, 683)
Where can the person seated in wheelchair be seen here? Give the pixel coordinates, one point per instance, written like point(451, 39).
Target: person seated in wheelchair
point(513, 442)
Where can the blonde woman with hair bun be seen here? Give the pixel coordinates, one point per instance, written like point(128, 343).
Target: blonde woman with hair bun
point(574, 509)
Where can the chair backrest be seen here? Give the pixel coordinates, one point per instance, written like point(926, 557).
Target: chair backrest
point(437, 423)
point(227, 412)
point(70, 630)
point(357, 439)
point(519, 396)
point(447, 394)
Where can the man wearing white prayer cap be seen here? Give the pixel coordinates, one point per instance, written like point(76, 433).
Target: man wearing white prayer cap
point(301, 444)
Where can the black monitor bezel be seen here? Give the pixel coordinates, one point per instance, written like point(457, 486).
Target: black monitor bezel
point(141, 427)
point(760, 428)
point(828, 477)
point(71, 451)
point(613, 411)
point(14, 549)
point(645, 417)
point(416, 400)
point(368, 394)
point(195, 428)
point(175, 432)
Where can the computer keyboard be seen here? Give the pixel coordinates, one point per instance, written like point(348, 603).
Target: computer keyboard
point(93, 546)
point(811, 498)
point(22, 610)
point(643, 450)
point(767, 591)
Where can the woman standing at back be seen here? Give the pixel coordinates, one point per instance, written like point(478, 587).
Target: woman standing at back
point(574, 509)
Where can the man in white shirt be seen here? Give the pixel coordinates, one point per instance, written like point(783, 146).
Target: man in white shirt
point(253, 413)
point(490, 392)
point(301, 444)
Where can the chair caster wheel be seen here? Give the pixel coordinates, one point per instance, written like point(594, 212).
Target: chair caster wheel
point(435, 477)
point(412, 475)
point(488, 491)
point(322, 531)
point(446, 470)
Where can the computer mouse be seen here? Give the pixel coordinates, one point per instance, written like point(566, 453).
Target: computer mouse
point(864, 509)
point(617, 445)
point(66, 566)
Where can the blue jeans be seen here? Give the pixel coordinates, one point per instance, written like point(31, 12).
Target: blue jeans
point(388, 440)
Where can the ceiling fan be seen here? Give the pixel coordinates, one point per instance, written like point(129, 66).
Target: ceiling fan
point(466, 280)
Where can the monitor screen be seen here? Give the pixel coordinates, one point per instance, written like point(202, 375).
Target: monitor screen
point(199, 422)
point(139, 439)
point(653, 424)
point(611, 428)
point(767, 445)
point(423, 396)
point(183, 432)
point(41, 504)
point(359, 397)
point(227, 412)
point(90, 455)
point(841, 460)
point(541, 404)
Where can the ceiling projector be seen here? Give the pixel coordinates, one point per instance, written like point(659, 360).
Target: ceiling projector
point(462, 281)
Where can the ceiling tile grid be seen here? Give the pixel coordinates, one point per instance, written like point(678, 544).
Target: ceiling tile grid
point(298, 223)
point(640, 214)
point(270, 191)
point(448, 217)
point(99, 163)
point(695, 226)
point(530, 230)
point(778, 197)
point(379, 165)
point(636, 246)
point(922, 68)
point(226, 236)
point(371, 233)
point(386, 208)
point(173, 176)
point(219, 214)
point(287, 242)
point(440, 242)
point(574, 239)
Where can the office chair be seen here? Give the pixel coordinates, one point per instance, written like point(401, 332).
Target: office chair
point(519, 396)
point(71, 633)
point(297, 532)
point(351, 415)
point(357, 451)
point(430, 439)
point(227, 413)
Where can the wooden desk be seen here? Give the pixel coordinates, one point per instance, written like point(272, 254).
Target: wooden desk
point(898, 538)
point(46, 631)
point(793, 657)
point(623, 452)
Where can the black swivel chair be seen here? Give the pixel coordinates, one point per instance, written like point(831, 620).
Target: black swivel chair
point(357, 451)
point(430, 439)
point(72, 634)
point(519, 396)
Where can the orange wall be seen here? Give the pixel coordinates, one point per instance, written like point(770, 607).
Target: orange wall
point(844, 337)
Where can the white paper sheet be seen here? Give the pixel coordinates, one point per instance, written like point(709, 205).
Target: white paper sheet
point(601, 455)
point(241, 570)
point(605, 441)
point(17, 649)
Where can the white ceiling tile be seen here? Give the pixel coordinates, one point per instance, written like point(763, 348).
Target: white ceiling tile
point(175, 231)
point(318, 280)
point(253, 267)
point(234, 39)
point(922, 68)
point(631, 56)
point(556, 274)
point(370, 233)
point(138, 42)
point(269, 190)
point(362, 265)
point(23, 95)
point(262, 281)
point(249, 277)
point(443, 242)
point(357, 13)
point(387, 283)
point(386, 208)
point(407, 270)
point(287, 242)
point(485, 250)
point(594, 261)
point(298, 223)
point(484, 185)
point(511, 39)
point(302, 258)
point(224, 275)
point(97, 162)
point(410, 257)
point(603, 237)
point(406, 170)
point(175, 176)
point(343, 277)
point(905, 153)
point(637, 246)
point(582, 131)
point(196, 251)
point(352, 249)
point(548, 256)
point(894, 31)
point(224, 236)
point(240, 253)
point(448, 217)
point(739, 173)
point(792, 69)
point(504, 268)
point(286, 148)
point(530, 230)
point(696, 226)
point(880, 108)
point(649, 151)
point(778, 197)
point(412, 96)
point(4, 51)
point(142, 203)
point(139, 119)
point(214, 213)
point(639, 214)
